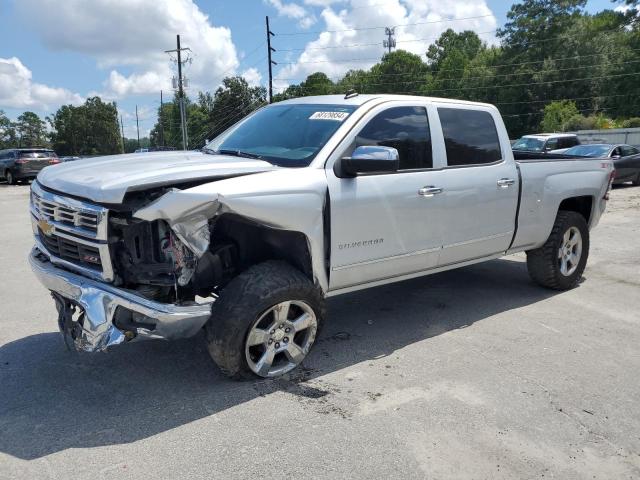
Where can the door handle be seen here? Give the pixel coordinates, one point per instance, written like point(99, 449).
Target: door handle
point(429, 191)
point(506, 182)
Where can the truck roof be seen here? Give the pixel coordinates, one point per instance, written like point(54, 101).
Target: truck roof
point(362, 99)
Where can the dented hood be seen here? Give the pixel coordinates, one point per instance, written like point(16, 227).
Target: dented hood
point(108, 179)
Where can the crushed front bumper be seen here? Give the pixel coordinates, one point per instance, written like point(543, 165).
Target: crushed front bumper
point(100, 305)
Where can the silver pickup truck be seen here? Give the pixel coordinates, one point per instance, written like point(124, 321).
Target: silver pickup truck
point(300, 201)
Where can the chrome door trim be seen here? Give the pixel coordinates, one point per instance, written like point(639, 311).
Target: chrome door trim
point(409, 276)
point(477, 240)
point(380, 260)
point(419, 252)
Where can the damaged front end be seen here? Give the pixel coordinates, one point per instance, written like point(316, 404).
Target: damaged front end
point(152, 266)
point(94, 316)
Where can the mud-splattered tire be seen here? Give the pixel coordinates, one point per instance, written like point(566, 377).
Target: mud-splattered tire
point(261, 307)
point(560, 262)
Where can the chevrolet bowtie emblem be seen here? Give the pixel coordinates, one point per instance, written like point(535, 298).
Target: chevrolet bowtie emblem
point(45, 227)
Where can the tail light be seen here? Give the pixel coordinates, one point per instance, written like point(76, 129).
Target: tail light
point(612, 177)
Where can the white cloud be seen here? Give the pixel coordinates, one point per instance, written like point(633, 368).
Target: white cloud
point(418, 24)
point(252, 76)
point(129, 38)
point(294, 11)
point(18, 90)
point(322, 3)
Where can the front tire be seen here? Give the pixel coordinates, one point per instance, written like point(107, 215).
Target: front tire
point(8, 175)
point(560, 262)
point(265, 321)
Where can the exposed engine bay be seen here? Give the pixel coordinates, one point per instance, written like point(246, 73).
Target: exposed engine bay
point(152, 259)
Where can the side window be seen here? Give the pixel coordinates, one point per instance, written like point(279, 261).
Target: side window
point(405, 129)
point(470, 137)
point(572, 142)
point(552, 144)
point(616, 152)
point(628, 150)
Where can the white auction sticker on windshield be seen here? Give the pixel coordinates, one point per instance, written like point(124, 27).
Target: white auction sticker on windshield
point(336, 116)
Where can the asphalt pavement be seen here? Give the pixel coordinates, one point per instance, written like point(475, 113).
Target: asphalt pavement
point(474, 373)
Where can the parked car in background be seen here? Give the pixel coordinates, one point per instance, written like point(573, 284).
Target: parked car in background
point(546, 142)
point(25, 163)
point(141, 150)
point(626, 159)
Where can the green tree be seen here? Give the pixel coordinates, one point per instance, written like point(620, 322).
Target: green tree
point(466, 44)
point(398, 72)
point(88, 129)
point(557, 114)
point(8, 136)
point(31, 130)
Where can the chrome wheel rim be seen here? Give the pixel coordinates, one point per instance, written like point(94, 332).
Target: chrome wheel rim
point(570, 252)
point(280, 339)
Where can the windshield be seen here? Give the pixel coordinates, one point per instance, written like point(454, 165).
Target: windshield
point(589, 151)
point(284, 135)
point(529, 144)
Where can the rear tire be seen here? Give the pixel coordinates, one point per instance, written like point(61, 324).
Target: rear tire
point(256, 326)
point(8, 175)
point(636, 182)
point(560, 262)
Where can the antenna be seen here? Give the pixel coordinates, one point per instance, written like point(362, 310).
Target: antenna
point(390, 42)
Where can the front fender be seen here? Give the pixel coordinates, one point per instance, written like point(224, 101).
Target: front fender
point(287, 199)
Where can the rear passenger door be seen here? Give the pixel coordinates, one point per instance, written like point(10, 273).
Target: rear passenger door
point(480, 183)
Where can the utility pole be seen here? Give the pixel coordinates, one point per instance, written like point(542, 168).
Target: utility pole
point(122, 132)
point(270, 49)
point(161, 123)
point(183, 115)
point(390, 42)
point(138, 127)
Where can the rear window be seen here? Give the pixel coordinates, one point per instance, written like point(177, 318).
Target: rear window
point(568, 142)
point(38, 154)
point(470, 137)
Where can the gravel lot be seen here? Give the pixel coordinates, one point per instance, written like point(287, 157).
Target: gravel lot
point(474, 373)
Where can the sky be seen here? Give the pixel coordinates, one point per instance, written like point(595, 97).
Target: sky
point(56, 52)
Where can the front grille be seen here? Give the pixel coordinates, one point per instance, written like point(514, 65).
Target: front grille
point(64, 215)
point(71, 250)
point(72, 233)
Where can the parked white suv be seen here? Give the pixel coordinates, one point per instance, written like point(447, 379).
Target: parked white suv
point(301, 200)
point(546, 142)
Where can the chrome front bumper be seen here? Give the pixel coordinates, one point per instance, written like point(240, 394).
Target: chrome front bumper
point(100, 302)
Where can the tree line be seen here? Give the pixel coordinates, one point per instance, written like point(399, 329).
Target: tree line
point(88, 129)
point(555, 67)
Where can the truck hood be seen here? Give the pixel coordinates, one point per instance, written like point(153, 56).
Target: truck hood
point(108, 179)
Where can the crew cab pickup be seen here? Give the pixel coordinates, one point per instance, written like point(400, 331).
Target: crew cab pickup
point(299, 201)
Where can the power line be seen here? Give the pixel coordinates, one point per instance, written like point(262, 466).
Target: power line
point(480, 77)
point(432, 22)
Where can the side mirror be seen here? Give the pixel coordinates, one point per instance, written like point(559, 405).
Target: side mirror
point(369, 159)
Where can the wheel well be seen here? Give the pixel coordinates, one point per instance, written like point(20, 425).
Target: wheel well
point(581, 205)
point(257, 243)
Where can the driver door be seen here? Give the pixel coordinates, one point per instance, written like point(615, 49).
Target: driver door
point(382, 226)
